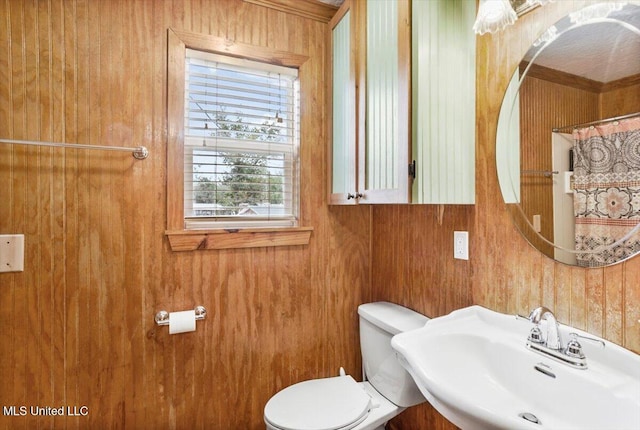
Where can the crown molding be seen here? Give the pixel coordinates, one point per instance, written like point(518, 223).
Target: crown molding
point(312, 9)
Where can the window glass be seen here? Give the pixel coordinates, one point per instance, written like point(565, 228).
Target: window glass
point(241, 136)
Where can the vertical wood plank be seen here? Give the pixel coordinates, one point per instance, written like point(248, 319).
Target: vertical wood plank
point(37, 214)
point(6, 212)
point(631, 308)
point(614, 303)
point(20, 306)
point(85, 218)
point(578, 311)
point(54, 198)
point(548, 105)
point(595, 301)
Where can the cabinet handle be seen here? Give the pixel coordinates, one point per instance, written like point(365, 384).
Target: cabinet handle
point(359, 195)
point(350, 196)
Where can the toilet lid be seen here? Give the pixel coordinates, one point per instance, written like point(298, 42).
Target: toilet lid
point(319, 404)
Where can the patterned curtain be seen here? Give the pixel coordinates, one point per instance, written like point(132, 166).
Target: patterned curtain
point(607, 190)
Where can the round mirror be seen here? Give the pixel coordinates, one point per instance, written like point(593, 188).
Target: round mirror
point(568, 138)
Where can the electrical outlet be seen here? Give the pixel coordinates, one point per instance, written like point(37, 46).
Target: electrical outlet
point(536, 223)
point(461, 245)
point(11, 252)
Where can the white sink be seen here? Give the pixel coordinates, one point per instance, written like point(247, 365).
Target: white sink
point(474, 368)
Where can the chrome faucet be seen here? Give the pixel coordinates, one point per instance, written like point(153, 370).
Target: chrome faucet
point(553, 332)
point(551, 346)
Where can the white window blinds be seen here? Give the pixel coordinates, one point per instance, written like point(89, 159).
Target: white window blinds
point(241, 143)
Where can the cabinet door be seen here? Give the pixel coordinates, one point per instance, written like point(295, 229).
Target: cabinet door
point(384, 100)
point(443, 101)
point(342, 149)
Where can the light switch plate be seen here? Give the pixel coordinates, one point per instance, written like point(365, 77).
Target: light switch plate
point(461, 245)
point(11, 252)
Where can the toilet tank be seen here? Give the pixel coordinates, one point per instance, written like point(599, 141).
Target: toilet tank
point(379, 322)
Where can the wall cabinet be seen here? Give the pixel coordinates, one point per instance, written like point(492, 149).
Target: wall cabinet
point(402, 91)
point(370, 57)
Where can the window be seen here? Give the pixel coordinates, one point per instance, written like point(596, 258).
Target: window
point(233, 125)
point(240, 143)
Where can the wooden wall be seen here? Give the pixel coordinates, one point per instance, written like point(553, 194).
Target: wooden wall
point(544, 106)
point(412, 264)
point(621, 101)
point(77, 326)
point(412, 259)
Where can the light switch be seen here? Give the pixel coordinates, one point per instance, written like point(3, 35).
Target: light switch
point(11, 252)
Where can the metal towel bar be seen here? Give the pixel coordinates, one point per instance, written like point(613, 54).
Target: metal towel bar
point(139, 153)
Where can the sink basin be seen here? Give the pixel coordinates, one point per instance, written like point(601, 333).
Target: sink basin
point(474, 368)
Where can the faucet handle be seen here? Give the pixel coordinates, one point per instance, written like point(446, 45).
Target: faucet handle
point(535, 335)
point(573, 348)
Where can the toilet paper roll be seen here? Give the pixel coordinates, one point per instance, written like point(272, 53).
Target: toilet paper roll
point(182, 322)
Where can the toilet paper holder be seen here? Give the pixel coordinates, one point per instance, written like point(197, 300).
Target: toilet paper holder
point(162, 317)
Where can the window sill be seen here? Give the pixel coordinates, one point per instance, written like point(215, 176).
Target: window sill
point(192, 240)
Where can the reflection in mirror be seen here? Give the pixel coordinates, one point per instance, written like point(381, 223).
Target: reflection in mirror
point(568, 142)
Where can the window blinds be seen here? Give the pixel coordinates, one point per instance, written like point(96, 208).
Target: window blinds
point(241, 141)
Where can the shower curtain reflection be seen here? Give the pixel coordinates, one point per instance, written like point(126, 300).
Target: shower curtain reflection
point(606, 190)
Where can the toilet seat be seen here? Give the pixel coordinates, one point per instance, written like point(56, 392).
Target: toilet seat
point(337, 403)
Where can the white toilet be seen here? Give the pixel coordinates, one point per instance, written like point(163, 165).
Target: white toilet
point(341, 403)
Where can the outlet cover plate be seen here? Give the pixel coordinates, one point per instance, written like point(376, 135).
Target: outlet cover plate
point(461, 245)
point(11, 252)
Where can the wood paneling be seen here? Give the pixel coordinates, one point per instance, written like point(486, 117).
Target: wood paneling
point(623, 83)
point(620, 101)
point(77, 325)
point(413, 265)
point(544, 106)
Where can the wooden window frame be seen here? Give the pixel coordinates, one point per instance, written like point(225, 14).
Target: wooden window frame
point(180, 238)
